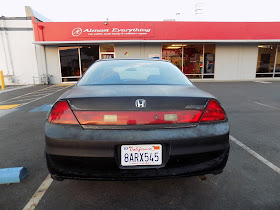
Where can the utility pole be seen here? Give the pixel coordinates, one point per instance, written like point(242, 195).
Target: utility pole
point(199, 8)
point(178, 15)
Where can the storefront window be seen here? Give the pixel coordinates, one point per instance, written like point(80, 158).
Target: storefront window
point(266, 60)
point(173, 53)
point(89, 54)
point(107, 51)
point(198, 59)
point(277, 66)
point(107, 48)
point(209, 60)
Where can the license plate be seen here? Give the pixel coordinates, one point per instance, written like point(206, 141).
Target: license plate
point(137, 155)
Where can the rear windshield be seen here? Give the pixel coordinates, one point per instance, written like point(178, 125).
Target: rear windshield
point(130, 72)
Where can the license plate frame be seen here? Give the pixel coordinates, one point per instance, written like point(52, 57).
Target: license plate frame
point(141, 155)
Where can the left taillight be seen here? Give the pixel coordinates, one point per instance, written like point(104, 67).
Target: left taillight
point(62, 114)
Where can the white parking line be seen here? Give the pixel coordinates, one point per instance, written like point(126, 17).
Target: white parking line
point(25, 99)
point(256, 155)
point(25, 94)
point(41, 97)
point(21, 98)
point(263, 82)
point(5, 112)
point(33, 202)
point(273, 107)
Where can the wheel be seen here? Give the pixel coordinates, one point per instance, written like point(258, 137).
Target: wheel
point(56, 178)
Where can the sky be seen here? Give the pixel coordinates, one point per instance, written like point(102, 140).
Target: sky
point(146, 10)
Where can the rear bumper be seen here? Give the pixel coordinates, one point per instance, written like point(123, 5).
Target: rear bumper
point(65, 167)
point(73, 152)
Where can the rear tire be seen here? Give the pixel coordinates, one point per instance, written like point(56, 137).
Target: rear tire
point(222, 165)
point(56, 178)
point(217, 172)
point(53, 174)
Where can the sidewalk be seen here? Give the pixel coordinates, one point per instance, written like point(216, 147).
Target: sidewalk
point(14, 87)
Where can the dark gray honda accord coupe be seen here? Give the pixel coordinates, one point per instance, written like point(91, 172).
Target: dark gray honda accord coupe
point(135, 119)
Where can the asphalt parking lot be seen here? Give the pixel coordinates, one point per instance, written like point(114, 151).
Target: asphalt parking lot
point(248, 181)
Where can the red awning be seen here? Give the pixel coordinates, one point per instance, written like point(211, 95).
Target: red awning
point(148, 31)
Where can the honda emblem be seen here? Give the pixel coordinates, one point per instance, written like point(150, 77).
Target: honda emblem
point(140, 103)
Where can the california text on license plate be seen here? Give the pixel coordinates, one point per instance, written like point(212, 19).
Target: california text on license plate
point(135, 155)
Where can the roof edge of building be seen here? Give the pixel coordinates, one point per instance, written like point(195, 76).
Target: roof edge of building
point(153, 41)
point(32, 13)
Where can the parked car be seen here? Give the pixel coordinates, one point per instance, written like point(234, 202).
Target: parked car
point(135, 119)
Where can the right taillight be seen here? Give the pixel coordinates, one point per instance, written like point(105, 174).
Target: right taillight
point(213, 112)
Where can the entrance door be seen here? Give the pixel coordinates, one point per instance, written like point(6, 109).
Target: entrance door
point(70, 64)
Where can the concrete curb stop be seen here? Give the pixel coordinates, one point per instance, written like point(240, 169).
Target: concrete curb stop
point(12, 175)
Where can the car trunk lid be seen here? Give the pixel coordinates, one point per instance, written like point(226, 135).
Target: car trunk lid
point(124, 97)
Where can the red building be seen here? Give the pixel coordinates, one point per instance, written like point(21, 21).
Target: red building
point(202, 50)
